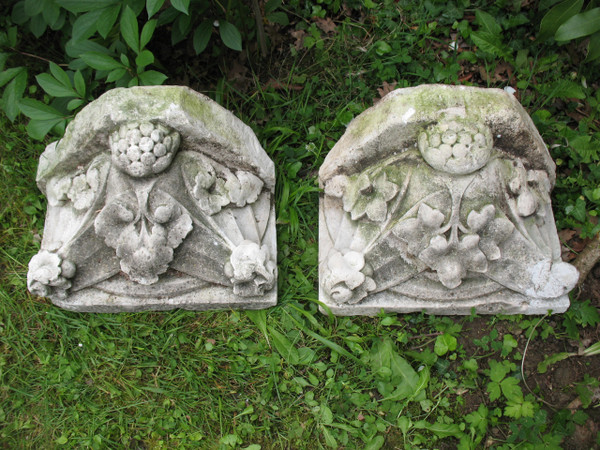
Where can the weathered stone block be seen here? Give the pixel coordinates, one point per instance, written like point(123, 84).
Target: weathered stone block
point(437, 199)
point(158, 198)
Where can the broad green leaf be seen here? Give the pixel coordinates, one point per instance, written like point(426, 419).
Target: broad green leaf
point(3, 58)
point(582, 24)
point(478, 419)
point(18, 14)
point(152, 78)
point(498, 370)
point(561, 88)
point(593, 48)
point(489, 43)
point(60, 21)
point(518, 410)
point(147, 32)
point(107, 19)
point(307, 355)
point(375, 443)
point(444, 343)
point(424, 376)
point(100, 61)
point(33, 7)
point(74, 104)
point(230, 35)
point(487, 23)
point(116, 74)
point(385, 359)
point(592, 350)
point(552, 359)
point(439, 429)
point(37, 110)
point(80, 6)
point(60, 75)
point(85, 25)
point(272, 5)
point(183, 24)
point(9, 74)
point(284, 347)
point(153, 6)
point(38, 25)
point(279, 17)
point(493, 389)
point(329, 439)
point(130, 29)
point(53, 87)
point(202, 36)
point(75, 49)
point(133, 82)
point(79, 84)
point(13, 93)
point(259, 318)
point(143, 59)
point(181, 5)
point(11, 35)
point(51, 12)
point(326, 415)
point(511, 389)
point(557, 16)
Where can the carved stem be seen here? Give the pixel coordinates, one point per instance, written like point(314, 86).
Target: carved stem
point(385, 227)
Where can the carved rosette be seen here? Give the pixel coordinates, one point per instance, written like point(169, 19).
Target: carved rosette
point(156, 217)
point(459, 214)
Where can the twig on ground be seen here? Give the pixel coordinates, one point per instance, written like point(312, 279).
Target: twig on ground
point(587, 259)
point(523, 365)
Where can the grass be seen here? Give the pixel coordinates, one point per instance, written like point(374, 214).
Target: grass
point(291, 377)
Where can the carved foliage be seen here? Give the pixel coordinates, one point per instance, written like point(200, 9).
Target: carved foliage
point(142, 216)
point(144, 236)
point(490, 202)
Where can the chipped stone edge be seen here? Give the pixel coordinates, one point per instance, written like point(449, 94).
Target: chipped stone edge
point(502, 302)
point(97, 301)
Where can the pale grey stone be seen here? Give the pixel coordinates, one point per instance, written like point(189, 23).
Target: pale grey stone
point(437, 199)
point(158, 198)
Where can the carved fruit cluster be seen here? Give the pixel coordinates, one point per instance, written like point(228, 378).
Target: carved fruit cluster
point(143, 149)
point(455, 146)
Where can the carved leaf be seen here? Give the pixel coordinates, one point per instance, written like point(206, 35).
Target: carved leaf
point(477, 220)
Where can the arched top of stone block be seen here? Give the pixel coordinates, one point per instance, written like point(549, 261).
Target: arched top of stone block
point(394, 124)
point(204, 126)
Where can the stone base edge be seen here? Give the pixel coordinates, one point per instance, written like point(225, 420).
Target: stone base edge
point(95, 300)
point(516, 304)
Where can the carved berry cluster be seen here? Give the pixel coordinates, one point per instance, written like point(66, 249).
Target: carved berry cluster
point(143, 149)
point(456, 146)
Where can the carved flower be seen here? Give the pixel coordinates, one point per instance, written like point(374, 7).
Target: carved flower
point(417, 232)
point(57, 190)
point(80, 190)
point(48, 275)
point(208, 190)
point(492, 231)
point(143, 243)
point(83, 189)
point(214, 193)
point(456, 146)
point(147, 254)
point(348, 277)
point(143, 149)
point(364, 195)
point(521, 188)
point(243, 188)
point(250, 270)
point(451, 260)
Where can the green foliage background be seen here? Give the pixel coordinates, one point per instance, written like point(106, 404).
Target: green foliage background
point(290, 376)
